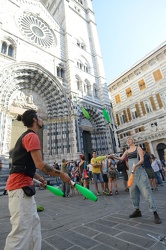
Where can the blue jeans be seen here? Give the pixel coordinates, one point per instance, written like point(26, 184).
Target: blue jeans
point(97, 176)
point(157, 177)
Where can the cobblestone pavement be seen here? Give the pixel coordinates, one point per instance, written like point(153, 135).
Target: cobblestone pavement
point(74, 223)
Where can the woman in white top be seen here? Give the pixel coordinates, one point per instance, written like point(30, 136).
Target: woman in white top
point(156, 169)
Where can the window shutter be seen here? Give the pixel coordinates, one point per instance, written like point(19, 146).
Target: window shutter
point(147, 147)
point(128, 133)
point(117, 119)
point(137, 110)
point(117, 98)
point(152, 103)
point(157, 75)
point(141, 84)
point(136, 130)
point(142, 128)
point(128, 92)
point(121, 136)
point(143, 108)
point(125, 116)
point(129, 114)
point(159, 100)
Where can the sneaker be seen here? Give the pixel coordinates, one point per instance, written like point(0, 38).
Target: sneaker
point(116, 192)
point(110, 193)
point(136, 213)
point(156, 189)
point(152, 189)
point(105, 192)
point(157, 219)
point(127, 189)
point(98, 194)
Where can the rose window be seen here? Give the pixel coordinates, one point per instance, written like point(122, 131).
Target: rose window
point(36, 30)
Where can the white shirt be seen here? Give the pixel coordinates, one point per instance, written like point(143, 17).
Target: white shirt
point(155, 166)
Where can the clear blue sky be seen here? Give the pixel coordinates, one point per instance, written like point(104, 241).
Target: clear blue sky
point(128, 30)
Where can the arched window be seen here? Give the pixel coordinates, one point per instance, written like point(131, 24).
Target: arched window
point(4, 48)
point(10, 50)
point(85, 88)
point(81, 43)
point(8, 47)
point(95, 91)
point(79, 83)
point(89, 92)
point(60, 72)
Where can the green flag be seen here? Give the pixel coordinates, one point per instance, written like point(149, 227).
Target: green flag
point(106, 115)
point(86, 114)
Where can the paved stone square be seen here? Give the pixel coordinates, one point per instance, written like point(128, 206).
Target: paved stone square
point(74, 223)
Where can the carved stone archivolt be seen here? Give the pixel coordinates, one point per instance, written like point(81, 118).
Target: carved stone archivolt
point(28, 85)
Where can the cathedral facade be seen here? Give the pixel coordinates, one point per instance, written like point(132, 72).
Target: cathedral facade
point(50, 60)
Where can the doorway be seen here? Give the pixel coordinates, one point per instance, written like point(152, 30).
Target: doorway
point(160, 150)
point(87, 145)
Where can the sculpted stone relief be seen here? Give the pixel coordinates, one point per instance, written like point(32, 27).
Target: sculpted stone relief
point(23, 101)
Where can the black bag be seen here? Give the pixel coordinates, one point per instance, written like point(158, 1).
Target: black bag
point(29, 190)
point(121, 166)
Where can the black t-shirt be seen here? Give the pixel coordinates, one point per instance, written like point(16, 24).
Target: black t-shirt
point(147, 163)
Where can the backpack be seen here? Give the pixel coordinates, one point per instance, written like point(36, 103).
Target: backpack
point(121, 166)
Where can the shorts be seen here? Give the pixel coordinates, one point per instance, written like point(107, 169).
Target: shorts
point(105, 178)
point(150, 173)
point(112, 175)
point(97, 176)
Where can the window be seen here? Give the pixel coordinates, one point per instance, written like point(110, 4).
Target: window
point(117, 98)
point(95, 91)
point(141, 84)
point(148, 107)
point(161, 99)
point(60, 72)
point(10, 51)
point(157, 75)
point(128, 92)
point(7, 47)
point(140, 129)
point(81, 43)
point(122, 118)
point(4, 48)
point(83, 65)
point(154, 124)
point(88, 86)
point(85, 88)
point(79, 84)
point(134, 112)
point(80, 1)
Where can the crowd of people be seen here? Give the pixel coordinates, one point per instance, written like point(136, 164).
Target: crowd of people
point(106, 172)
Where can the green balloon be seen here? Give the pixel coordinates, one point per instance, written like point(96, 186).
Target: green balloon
point(54, 190)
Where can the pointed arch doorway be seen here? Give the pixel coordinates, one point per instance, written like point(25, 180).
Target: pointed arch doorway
point(87, 145)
